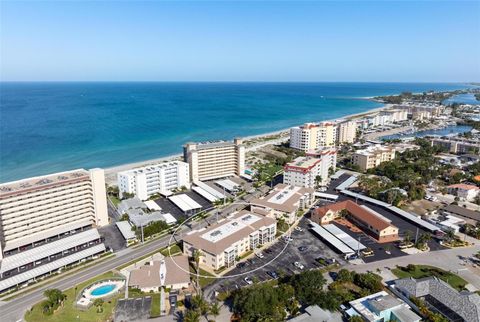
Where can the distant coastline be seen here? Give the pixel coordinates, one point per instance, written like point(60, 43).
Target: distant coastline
point(52, 127)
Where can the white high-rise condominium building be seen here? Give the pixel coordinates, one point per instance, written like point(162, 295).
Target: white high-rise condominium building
point(311, 137)
point(159, 178)
point(347, 132)
point(373, 156)
point(215, 159)
point(46, 223)
point(304, 171)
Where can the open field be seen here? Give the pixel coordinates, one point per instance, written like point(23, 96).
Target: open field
point(422, 271)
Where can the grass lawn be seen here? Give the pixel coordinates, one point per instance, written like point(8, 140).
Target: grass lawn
point(155, 309)
point(425, 271)
point(204, 281)
point(174, 250)
point(69, 313)
point(114, 200)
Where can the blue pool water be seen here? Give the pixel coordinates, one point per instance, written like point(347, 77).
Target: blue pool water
point(103, 290)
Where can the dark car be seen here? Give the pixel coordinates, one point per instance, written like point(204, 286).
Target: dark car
point(272, 274)
point(173, 301)
point(241, 265)
point(302, 248)
point(268, 251)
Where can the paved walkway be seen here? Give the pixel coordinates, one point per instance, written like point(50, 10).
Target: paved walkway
point(450, 260)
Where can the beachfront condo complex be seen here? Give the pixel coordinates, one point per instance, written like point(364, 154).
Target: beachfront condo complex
point(48, 222)
point(215, 159)
point(347, 132)
point(312, 170)
point(373, 156)
point(224, 242)
point(311, 137)
point(154, 179)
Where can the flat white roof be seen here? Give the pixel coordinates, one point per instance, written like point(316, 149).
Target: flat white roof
point(126, 229)
point(230, 227)
point(184, 202)
point(326, 195)
point(347, 183)
point(332, 240)
point(344, 237)
point(229, 185)
point(337, 174)
point(46, 234)
point(284, 194)
point(44, 269)
point(169, 219)
point(205, 194)
point(37, 253)
point(152, 205)
point(209, 189)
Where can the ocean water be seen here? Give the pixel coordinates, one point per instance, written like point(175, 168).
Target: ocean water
point(463, 98)
point(446, 131)
point(49, 127)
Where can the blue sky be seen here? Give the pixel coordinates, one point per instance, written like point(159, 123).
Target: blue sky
point(241, 41)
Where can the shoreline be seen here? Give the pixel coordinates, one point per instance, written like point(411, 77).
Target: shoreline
point(111, 172)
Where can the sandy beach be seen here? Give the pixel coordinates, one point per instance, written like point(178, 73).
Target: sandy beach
point(111, 172)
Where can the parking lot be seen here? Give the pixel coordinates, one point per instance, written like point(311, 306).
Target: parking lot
point(315, 248)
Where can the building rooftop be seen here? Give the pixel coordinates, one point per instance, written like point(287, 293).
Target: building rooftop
point(302, 164)
point(374, 149)
point(218, 237)
point(360, 212)
point(283, 198)
point(463, 186)
point(152, 167)
point(464, 212)
point(42, 182)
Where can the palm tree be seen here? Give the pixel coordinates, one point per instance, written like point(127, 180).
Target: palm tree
point(407, 238)
point(215, 310)
point(318, 181)
point(197, 254)
point(450, 236)
point(98, 303)
point(192, 316)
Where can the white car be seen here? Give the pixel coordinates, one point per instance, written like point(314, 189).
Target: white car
point(287, 238)
point(298, 228)
point(260, 255)
point(248, 280)
point(298, 265)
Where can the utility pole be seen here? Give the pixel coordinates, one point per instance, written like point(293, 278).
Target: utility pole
point(416, 236)
point(142, 233)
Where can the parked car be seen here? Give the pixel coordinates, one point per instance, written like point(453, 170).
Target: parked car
point(272, 274)
point(268, 251)
point(241, 265)
point(298, 265)
point(287, 238)
point(248, 280)
point(259, 255)
point(302, 248)
point(298, 228)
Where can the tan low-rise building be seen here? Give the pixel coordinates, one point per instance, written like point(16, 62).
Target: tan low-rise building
point(223, 243)
point(170, 272)
point(373, 156)
point(284, 201)
point(373, 223)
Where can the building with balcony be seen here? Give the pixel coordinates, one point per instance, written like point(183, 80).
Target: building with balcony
point(154, 179)
point(347, 132)
point(48, 222)
point(215, 159)
point(373, 156)
point(310, 171)
point(224, 242)
point(284, 201)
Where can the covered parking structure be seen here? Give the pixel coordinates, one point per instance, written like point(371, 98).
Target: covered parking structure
point(331, 240)
point(210, 190)
point(228, 185)
point(186, 204)
point(344, 237)
point(205, 194)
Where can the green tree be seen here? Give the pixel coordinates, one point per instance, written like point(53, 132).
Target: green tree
point(197, 254)
point(191, 316)
point(214, 309)
point(308, 286)
point(98, 303)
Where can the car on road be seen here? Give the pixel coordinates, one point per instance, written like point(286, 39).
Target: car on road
point(259, 255)
point(298, 265)
point(302, 248)
point(248, 280)
point(272, 274)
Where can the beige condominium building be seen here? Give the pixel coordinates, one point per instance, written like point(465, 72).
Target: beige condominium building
point(312, 170)
point(215, 159)
point(222, 243)
point(47, 221)
point(373, 156)
point(311, 137)
point(347, 132)
point(284, 201)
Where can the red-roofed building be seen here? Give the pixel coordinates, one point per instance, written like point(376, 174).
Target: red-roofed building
point(466, 191)
point(373, 223)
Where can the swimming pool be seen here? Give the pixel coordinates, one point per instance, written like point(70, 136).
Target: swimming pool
point(102, 290)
